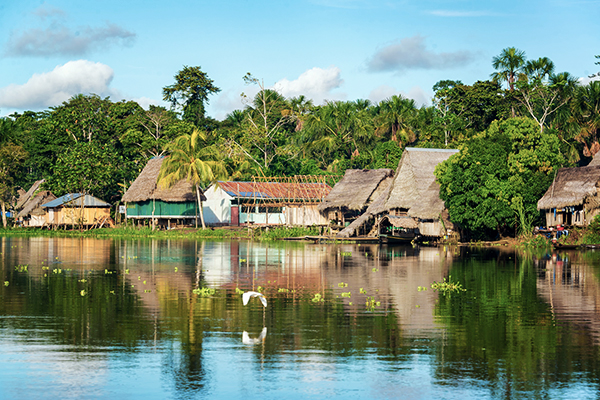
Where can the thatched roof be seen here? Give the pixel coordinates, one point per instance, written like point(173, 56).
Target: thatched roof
point(33, 206)
point(400, 221)
point(355, 190)
point(26, 196)
point(145, 187)
point(414, 187)
point(571, 186)
point(300, 191)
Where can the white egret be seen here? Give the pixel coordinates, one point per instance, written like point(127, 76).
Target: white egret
point(246, 297)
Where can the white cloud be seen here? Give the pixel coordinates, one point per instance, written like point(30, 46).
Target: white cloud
point(315, 83)
point(586, 80)
point(412, 53)
point(146, 102)
point(52, 88)
point(385, 92)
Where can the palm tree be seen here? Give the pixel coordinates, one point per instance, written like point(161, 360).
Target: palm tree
point(192, 160)
point(539, 69)
point(509, 64)
point(586, 109)
point(397, 117)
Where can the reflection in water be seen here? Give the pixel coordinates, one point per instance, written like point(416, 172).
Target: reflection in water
point(246, 339)
point(343, 320)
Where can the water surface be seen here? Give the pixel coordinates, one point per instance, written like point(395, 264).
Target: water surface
point(154, 319)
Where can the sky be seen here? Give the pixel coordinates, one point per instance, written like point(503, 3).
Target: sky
point(325, 50)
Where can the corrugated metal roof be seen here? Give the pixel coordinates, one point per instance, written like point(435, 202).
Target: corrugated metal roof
point(74, 199)
point(276, 190)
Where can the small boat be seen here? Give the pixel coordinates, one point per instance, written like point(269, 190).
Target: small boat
point(396, 239)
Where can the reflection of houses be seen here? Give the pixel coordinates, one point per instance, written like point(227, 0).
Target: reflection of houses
point(265, 203)
point(351, 196)
point(410, 205)
point(145, 200)
point(77, 209)
point(573, 197)
point(29, 205)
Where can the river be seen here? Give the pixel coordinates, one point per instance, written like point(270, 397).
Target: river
point(164, 319)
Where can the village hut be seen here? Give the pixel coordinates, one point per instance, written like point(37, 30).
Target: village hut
point(573, 198)
point(415, 192)
point(145, 200)
point(353, 194)
point(77, 209)
point(30, 212)
point(265, 203)
point(410, 205)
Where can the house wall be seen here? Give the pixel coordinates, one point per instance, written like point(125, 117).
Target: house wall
point(161, 209)
point(431, 228)
point(75, 215)
point(304, 216)
point(217, 207)
point(271, 218)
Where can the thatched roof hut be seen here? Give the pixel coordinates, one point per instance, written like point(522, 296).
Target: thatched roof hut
point(571, 187)
point(357, 190)
point(145, 187)
point(34, 205)
point(24, 197)
point(414, 187)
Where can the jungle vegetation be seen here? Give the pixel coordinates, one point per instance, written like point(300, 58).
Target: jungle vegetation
point(514, 130)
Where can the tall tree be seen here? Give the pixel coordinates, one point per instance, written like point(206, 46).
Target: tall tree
point(193, 160)
point(396, 119)
point(190, 93)
point(509, 64)
point(586, 113)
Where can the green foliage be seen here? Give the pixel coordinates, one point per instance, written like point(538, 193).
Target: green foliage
point(190, 93)
point(498, 173)
point(89, 168)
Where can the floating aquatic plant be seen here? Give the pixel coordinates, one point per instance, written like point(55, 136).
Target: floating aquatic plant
point(362, 291)
point(342, 284)
point(204, 292)
point(371, 303)
point(346, 294)
point(317, 298)
point(6, 283)
point(447, 287)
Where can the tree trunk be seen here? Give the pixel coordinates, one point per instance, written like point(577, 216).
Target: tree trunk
point(3, 213)
point(200, 206)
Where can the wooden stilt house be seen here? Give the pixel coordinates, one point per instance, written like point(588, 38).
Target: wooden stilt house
point(145, 201)
point(573, 198)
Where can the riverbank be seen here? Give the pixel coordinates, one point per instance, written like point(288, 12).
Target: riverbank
point(254, 233)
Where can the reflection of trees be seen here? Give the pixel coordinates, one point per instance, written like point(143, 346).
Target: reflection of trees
point(501, 331)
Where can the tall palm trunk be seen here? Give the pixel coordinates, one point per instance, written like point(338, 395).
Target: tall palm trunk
point(200, 207)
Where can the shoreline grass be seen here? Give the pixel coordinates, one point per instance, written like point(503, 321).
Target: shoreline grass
point(256, 233)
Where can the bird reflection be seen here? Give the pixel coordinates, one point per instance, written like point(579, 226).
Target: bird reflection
point(246, 339)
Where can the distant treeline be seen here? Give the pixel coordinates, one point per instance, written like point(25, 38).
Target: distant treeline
point(519, 126)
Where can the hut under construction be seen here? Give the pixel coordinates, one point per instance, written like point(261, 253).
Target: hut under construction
point(30, 212)
point(353, 194)
point(573, 198)
point(290, 201)
point(144, 200)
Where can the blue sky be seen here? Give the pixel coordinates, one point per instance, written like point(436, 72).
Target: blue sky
point(324, 49)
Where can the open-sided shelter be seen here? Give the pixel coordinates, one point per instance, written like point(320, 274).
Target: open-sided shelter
point(145, 200)
point(77, 209)
point(292, 203)
point(572, 199)
point(353, 194)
